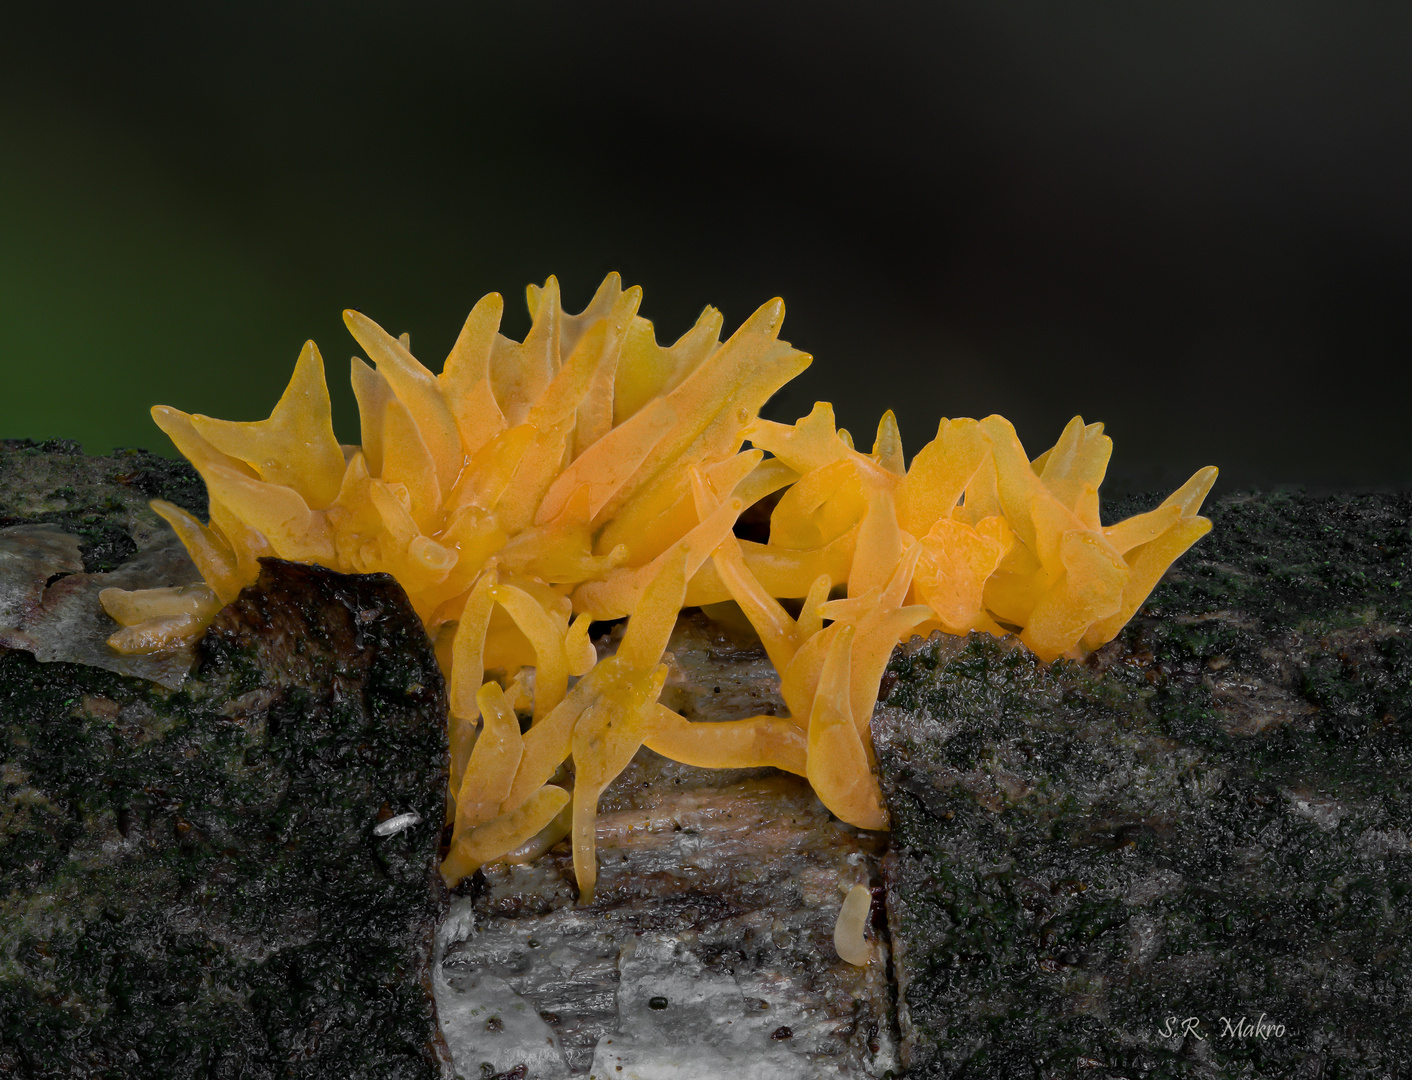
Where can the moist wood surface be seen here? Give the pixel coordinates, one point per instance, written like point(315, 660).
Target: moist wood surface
point(708, 949)
point(190, 884)
point(1207, 820)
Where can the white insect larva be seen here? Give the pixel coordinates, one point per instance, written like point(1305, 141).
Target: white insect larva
point(400, 823)
point(848, 940)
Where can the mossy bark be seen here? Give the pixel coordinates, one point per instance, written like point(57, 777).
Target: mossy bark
point(191, 884)
point(1206, 821)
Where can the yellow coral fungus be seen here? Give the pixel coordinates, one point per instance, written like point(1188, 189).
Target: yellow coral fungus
point(589, 473)
point(1006, 544)
point(973, 536)
point(526, 481)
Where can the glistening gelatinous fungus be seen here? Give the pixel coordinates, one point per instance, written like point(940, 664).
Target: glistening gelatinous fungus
point(588, 473)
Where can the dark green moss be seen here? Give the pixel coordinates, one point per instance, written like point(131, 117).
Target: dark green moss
point(189, 882)
point(1209, 818)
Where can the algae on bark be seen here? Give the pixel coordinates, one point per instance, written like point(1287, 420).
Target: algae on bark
point(192, 882)
point(72, 526)
point(1206, 821)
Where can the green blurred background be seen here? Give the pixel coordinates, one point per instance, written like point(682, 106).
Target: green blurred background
point(1188, 220)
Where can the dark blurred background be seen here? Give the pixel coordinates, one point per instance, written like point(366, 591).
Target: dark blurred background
point(1188, 220)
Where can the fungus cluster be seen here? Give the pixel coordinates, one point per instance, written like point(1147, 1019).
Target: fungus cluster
point(588, 473)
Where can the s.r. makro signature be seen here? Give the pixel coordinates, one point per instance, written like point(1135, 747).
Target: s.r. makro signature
point(1239, 1027)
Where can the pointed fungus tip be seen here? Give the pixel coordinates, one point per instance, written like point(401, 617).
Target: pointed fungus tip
point(771, 315)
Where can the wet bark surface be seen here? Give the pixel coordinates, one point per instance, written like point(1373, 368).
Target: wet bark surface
point(192, 881)
point(1186, 856)
point(72, 526)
